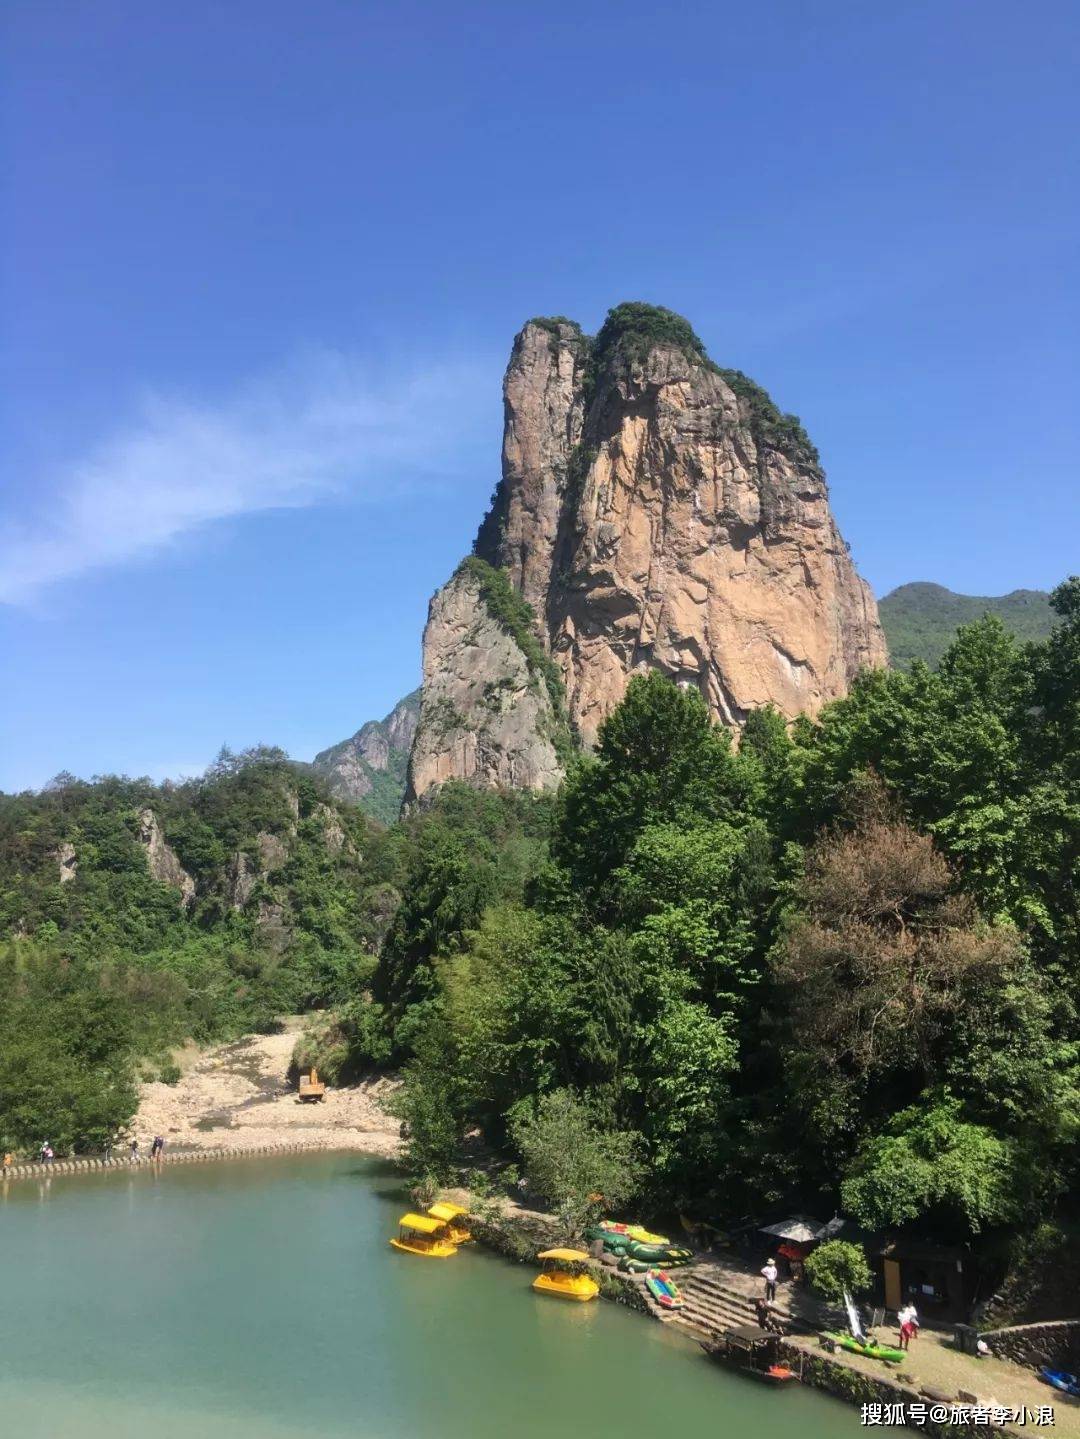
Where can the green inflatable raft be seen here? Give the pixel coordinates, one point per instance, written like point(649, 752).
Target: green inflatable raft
point(642, 1266)
point(660, 1253)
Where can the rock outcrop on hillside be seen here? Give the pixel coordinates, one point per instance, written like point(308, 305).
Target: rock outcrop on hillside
point(656, 512)
point(162, 860)
point(68, 862)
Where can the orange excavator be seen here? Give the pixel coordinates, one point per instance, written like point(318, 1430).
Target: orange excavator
point(311, 1086)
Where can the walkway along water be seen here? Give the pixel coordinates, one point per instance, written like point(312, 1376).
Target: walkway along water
point(96, 1164)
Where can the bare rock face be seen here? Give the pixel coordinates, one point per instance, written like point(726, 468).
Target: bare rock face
point(162, 860)
point(240, 879)
point(543, 414)
point(658, 512)
point(274, 933)
point(68, 862)
point(486, 717)
point(334, 836)
point(400, 723)
point(273, 851)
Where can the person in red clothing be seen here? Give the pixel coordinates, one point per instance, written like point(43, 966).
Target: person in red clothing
point(909, 1325)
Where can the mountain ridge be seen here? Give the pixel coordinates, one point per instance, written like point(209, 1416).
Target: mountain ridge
point(921, 617)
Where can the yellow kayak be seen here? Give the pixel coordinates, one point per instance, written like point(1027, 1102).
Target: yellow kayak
point(643, 1236)
point(637, 1232)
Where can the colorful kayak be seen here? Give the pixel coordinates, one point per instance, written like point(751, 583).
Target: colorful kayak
point(643, 1236)
point(663, 1289)
point(1058, 1379)
point(869, 1350)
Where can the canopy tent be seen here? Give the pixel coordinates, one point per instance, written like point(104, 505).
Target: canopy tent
point(800, 1229)
point(840, 1228)
point(446, 1212)
point(420, 1223)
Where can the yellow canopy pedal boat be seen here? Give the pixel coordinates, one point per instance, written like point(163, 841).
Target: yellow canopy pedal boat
point(449, 1214)
point(420, 1234)
point(565, 1275)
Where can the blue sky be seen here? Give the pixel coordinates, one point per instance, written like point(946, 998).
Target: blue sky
point(263, 262)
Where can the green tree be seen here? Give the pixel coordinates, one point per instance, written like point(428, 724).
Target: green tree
point(472, 849)
point(572, 1163)
point(930, 1160)
point(429, 1104)
point(659, 759)
point(66, 1045)
point(836, 1266)
point(891, 977)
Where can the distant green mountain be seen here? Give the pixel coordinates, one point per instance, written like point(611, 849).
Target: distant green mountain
point(921, 619)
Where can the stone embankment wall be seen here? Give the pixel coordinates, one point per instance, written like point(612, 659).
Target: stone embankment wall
point(821, 1372)
point(520, 1239)
point(121, 1160)
point(1056, 1344)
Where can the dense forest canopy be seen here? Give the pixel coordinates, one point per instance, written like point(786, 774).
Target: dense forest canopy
point(837, 964)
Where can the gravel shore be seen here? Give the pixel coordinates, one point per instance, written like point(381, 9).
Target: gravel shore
point(238, 1095)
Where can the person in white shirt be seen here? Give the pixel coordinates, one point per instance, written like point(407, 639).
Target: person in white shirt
point(909, 1325)
point(770, 1274)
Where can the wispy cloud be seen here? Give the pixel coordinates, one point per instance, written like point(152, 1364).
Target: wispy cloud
point(322, 426)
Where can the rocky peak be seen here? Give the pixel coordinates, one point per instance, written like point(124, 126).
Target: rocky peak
point(369, 768)
point(543, 411)
point(657, 511)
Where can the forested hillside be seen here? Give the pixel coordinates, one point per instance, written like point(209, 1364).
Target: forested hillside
point(838, 967)
point(138, 915)
point(921, 620)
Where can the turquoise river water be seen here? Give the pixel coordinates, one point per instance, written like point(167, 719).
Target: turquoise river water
point(260, 1298)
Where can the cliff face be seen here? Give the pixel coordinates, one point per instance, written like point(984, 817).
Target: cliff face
point(486, 715)
point(659, 512)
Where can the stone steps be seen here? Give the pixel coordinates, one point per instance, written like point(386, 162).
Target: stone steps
point(717, 1304)
point(713, 1307)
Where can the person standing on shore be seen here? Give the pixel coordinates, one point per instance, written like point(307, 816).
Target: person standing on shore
point(157, 1146)
point(770, 1274)
point(134, 1151)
